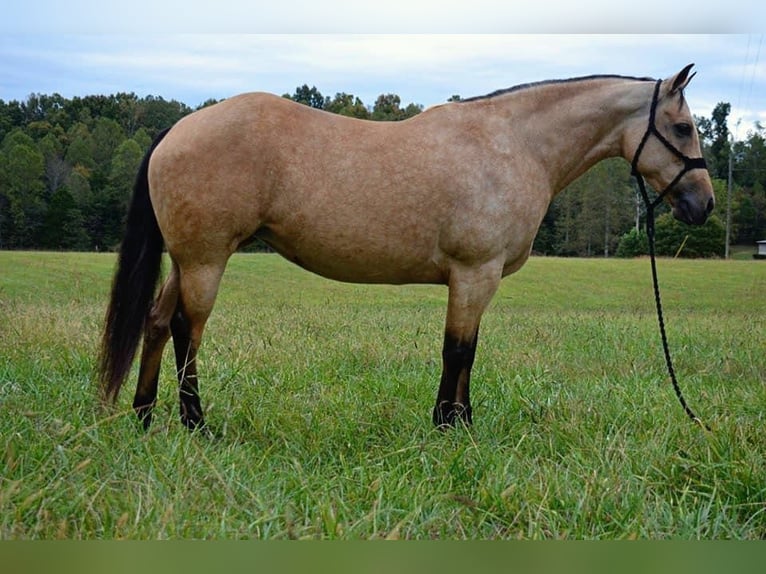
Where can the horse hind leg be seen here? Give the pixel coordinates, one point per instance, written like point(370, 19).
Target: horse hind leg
point(198, 290)
point(156, 335)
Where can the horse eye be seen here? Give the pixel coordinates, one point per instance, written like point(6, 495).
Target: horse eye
point(683, 130)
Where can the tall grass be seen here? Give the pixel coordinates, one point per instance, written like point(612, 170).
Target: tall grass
point(319, 395)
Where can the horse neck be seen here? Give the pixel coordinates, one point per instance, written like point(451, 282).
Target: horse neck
point(576, 124)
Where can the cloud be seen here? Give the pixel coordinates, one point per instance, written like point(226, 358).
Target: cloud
point(421, 68)
point(340, 16)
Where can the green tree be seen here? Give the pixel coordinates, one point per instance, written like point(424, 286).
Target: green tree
point(127, 158)
point(107, 136)
point(207, 103)
point(78, 184)
point(387, 108)
point(143, 139)
point(594, 211)
point(308, 96)
point(347, 105)
point(110, 202)
point(128, 114)
point(11, 117)
point(719, 147)
point(676, 238)
point(156, 114)
point(56, 168)
point(634, 243)
point(63, 224)
point(79, 152)
point(412, 110)
point(21, 188)
point(749, 198)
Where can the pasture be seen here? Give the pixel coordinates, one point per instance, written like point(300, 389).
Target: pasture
point(319, 395)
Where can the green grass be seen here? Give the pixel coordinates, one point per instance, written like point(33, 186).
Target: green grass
point(743, 252)
point(320, 393)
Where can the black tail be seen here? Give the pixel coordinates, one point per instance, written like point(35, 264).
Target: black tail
point(133, 286)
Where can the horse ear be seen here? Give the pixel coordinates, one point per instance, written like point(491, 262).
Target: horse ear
point(678, 82)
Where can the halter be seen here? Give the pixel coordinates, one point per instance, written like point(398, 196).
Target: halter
point(689, 165)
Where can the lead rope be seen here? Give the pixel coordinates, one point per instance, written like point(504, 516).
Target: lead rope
point(665, 347)
point(689, 164)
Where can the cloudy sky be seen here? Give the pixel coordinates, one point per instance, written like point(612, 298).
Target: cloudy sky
point(176, 51)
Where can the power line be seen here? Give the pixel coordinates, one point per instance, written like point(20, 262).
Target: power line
point(744, 72)
point(752, 76)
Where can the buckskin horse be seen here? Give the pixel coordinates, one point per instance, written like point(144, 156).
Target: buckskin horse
point(452, 196)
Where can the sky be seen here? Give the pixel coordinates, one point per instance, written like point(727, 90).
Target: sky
point(174, 50)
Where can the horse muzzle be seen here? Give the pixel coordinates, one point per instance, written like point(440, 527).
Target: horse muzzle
point(690, 208)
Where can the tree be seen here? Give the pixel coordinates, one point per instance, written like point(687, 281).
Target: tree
point(80, 149)
point(308, 96)
point(128, 112)
point(634, 243)
point(347, 105)
point(412, 110)
point(78, 185)
point(676, 238)
point(594, 211)
point(209, 102)
point(21, 188)
point(11, 117)
point(719, 147)
point(127, 158)
point(156, 114)
point(388, 108)
point(143, 139)
point(749, 198)
point(63, 224)
point(110, 204)
point(107, 136)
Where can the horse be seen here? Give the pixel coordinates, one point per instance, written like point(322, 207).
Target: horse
point(452, 196)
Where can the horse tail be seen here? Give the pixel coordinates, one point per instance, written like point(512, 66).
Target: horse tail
point(135, 281)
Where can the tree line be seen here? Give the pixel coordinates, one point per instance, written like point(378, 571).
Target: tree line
point(67, 168)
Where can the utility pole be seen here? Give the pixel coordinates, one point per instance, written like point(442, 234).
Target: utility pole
point(728, 191)
point(728, 201)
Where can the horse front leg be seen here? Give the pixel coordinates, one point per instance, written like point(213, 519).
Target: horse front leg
point(470, 291)
point(453, 401)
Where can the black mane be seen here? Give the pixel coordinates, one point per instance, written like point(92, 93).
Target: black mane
point(549, 82)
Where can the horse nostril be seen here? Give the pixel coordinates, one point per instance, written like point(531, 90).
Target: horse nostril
point(710, 205)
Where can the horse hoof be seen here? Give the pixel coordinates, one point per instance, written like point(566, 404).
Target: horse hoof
point(144, 414)
point(446, 415)
point(194, 424)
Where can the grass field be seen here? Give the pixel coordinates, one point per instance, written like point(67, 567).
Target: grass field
point(319, 395)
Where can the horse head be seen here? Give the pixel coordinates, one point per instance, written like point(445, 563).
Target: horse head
point(668, 153)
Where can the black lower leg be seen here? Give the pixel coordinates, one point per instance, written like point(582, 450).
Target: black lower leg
point(144, 412)
point(186, 365)
point(155, 338)
point(453, 400)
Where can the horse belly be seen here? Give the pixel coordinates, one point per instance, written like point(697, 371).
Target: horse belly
point(356, 259)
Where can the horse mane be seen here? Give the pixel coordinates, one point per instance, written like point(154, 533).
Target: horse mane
point(529, 85)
